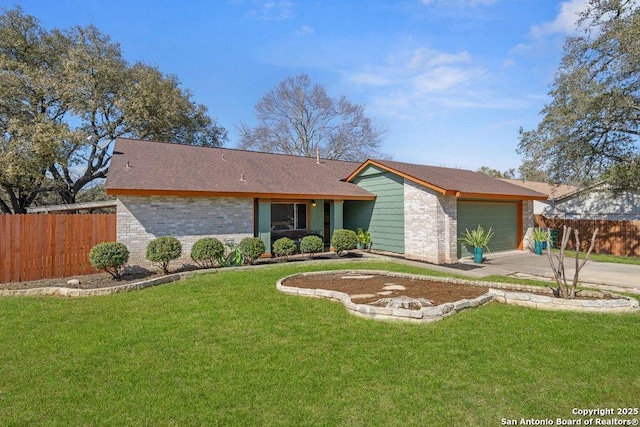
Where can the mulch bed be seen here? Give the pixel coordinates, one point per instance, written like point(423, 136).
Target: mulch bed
point(136, 274)
point(88, 281)
point(437, 292)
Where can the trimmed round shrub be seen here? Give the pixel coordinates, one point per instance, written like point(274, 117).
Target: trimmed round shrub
point(252, 248)
point(284, 247)
point(207, 251)
point(311, 245)
point(162, 250)
point(343, 240)
point(110, 257)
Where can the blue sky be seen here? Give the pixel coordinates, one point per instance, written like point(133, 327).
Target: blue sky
point(450, 80)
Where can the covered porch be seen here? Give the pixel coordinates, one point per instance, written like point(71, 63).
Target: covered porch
point(295, 218)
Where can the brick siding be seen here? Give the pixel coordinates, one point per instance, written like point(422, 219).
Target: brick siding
point(430, 226)
point(528, 221)
point(142, 219)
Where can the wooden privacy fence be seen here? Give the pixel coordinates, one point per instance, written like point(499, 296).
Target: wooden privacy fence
point(36, 247)
point(614, 237)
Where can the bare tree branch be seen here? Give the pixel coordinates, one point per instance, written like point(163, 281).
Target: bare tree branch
point(298, 117)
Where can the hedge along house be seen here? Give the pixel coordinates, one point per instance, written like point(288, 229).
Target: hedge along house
point(423, 211)
point(412, 210)
point(192, 192)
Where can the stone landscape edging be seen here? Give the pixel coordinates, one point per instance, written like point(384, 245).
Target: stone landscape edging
point(127, 287)
point(519, 294)
point(513, 294)
point(136, 286)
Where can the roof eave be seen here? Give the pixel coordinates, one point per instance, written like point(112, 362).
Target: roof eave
point(259, 195)
point(493, 196)
point(370, 162)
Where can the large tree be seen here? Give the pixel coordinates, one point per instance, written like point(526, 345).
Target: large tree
point(495, 173)
point(590, 128)
point(66, 95)
point(299, 118)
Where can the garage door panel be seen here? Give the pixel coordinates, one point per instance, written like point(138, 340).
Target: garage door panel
point(501, 217)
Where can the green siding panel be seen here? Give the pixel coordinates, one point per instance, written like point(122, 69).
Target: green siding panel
point(384, 218)
point(337, 216)
point(371, 170)
point(264, 224)
point(502, 217)
point(357, 214)
point(317, 217)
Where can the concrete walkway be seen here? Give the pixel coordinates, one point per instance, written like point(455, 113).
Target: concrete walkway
point(524, 264)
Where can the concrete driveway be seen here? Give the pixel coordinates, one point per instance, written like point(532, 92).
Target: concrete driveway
point(527, 264)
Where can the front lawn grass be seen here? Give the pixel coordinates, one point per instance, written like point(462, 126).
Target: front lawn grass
point(228, 349)
point(616, 259)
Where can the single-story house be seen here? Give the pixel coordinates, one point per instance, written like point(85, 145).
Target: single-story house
point(553, 192)
point(595, 202)
point(412, 210)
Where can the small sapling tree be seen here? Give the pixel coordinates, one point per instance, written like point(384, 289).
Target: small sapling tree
point(565, 289)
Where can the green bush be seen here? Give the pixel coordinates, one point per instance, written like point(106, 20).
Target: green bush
point(162, 250)
point(311, 245)
point(343, 240)
point(110, 257)
point(206, 251)
point(252, 248)
point(284, 247)
point(364, 239)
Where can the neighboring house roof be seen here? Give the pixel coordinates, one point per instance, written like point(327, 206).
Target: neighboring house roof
point(148, 167)
point(596, 202)
point(460, 183)
point(554, 192)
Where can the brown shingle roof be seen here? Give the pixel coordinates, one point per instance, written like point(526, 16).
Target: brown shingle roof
point(458, 182)
point(148, 167)
point(553, 191)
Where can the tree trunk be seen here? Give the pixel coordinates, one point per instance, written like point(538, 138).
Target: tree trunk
point(566, 290)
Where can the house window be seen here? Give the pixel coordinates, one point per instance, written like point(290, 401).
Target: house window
point(288, 216)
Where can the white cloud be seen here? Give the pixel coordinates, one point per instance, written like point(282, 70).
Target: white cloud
point(428, 57)
point(424, 69)
point(305, 30)
point(441, 79)
point(508, 63)
point(271, 10)
point(520, 48)
point(565, 22)
point(418, 83)
point(459, 3)
point(370, 79)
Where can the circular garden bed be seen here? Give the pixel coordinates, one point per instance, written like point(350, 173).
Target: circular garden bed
point(387, 295)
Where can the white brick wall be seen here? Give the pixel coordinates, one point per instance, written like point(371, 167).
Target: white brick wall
point(142, 219)
point(430, 229)
point(528, 222)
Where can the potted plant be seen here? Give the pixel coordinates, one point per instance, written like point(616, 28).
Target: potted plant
point(364, 239)
point(478, 239)
point(539, 239)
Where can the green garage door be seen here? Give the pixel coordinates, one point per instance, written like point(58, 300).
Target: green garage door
point(502, 217)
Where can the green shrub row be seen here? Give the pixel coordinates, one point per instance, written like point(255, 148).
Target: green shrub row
point(209, 251)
